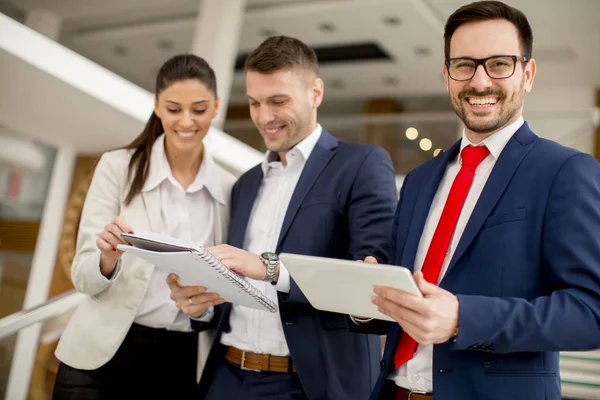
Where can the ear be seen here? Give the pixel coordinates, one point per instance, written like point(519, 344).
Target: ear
point(156, 106)
point(318, 89)
point(446, 76)
point(217, 104)
point(529, 73)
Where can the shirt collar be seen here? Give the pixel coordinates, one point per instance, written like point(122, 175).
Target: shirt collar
point(497, 141)
point(305, 148)
point(208, 175)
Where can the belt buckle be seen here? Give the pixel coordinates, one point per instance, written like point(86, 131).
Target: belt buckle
point(243, 366)
point(415, 392)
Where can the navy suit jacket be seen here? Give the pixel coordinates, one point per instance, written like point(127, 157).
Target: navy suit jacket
point(526, 271)
point(342, 207)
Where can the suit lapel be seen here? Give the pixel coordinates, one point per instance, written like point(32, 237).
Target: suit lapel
point(516, 149)
point(244, 203)
point(152, 206)
point(318, 159)
point(427, 192)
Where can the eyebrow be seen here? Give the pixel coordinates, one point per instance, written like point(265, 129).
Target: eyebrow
point(270, 97)
point(194, 103)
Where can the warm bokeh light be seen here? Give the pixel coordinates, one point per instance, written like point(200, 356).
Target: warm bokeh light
point(412, 133)
point(425, 144)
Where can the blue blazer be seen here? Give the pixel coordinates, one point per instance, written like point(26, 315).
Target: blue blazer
point(342, 207)
point(526, 271)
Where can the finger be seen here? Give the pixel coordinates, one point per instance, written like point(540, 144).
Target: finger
point(172, 281)
point(103, 245)
point(116, 231)
point(370, 260)
point(425, 287)
point(397, 310)
point(110, 239)
point(183, 293)
point(122, 224)
point(403, 298)
point(199, 304)
point(220, 249)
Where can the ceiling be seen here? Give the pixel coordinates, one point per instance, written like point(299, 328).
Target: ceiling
point(134, 37)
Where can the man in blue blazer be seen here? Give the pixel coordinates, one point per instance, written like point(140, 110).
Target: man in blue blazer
point(504, 233)
point(313, 195)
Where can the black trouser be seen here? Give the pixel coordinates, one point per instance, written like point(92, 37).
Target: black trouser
point(150, 364)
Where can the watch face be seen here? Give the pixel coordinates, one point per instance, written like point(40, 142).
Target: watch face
point(270, 256)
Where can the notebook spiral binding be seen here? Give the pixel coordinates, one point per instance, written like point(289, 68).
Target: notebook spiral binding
point(238, 280)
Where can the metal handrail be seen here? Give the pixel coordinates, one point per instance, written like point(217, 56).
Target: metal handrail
point(54, 307)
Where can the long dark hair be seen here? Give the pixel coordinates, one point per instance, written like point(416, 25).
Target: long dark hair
point(178, 68)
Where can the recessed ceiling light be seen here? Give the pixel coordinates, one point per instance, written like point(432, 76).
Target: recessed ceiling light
point(390, 81)
point(120, 50)
point(422, 51)
point(392, 20)
point(327, 27)
point(436, 152)
point(412, 133)
point(267, 32)
point(425, 144)
point(165, 44)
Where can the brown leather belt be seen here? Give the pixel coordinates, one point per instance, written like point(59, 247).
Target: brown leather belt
point(393, 392)
point(404, 394)
point(259, 362)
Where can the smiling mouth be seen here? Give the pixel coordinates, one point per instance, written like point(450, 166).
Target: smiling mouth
point(482, 101)
point(186, 134)
point(272, 131)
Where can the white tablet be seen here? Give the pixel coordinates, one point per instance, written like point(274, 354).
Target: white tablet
point(345, 286)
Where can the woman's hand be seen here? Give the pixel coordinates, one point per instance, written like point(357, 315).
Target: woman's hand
point(107, 242)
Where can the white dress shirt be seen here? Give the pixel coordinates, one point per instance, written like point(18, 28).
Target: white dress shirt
point(261, 331)
point(417, 373)
point(186, 214)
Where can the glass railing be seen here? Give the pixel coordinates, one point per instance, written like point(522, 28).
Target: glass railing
point(36, 381)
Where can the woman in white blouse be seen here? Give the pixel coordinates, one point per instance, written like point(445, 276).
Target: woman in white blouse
point(128, 339)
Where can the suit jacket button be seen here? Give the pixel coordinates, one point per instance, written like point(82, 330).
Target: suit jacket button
point(487, 364)
point(382, 365)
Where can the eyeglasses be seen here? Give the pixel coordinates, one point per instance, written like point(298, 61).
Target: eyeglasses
point(496, 67)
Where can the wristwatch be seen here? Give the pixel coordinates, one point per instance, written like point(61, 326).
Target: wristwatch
point(271, 261)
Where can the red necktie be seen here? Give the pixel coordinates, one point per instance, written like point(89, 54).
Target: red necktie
point(471, 158)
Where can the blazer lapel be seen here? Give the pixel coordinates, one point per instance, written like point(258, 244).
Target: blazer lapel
point(427, 192)
point(318, 159)
point(516, 149)
point(243, 207)
point(151, 201)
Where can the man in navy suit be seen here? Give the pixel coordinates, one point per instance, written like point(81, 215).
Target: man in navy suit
point(503, 231)
point(313, 195)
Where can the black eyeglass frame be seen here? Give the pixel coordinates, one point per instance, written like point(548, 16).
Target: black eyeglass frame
point(482, 61)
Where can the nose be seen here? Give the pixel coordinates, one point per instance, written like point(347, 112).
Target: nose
point(186, 120)
point(265, 116)
point(481, 79)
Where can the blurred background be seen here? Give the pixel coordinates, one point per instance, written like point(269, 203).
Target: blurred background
point(76, 79)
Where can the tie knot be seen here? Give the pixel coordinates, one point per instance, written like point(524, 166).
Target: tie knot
point(472, 156)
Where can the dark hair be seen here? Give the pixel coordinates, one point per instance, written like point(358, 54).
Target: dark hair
point(486, 11)
point(178, 68)
point(281, 52)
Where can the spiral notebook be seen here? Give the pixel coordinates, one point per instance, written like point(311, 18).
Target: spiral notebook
point(195, 266)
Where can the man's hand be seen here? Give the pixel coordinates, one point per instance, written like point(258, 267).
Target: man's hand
point(241, 261)
point(356, 318)
point(192, 300)
point(430, 320)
